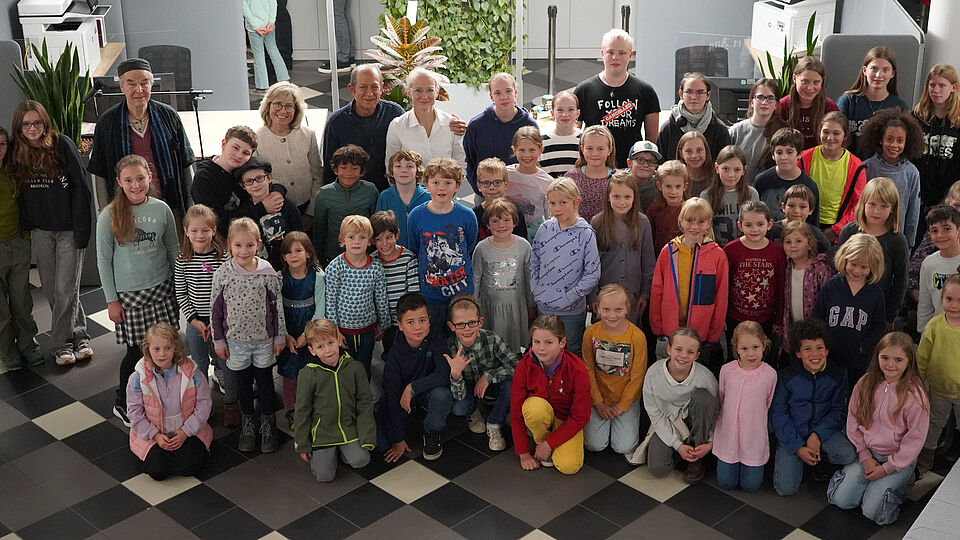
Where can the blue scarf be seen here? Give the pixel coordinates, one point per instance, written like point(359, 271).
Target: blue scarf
point(158, 145)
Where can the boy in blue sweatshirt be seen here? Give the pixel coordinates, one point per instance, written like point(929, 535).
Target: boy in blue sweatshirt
point(490, 133)
point(809, 409)
point(443, 234)
point(415, 373)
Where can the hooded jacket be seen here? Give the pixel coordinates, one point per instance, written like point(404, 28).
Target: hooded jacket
point(564, 267)
point(246, 306)
point(815, 275)
point(806, 403)
point(707, 309)
point(856, 180)
point(423, 368)
point(487, 136)
point(333, 406)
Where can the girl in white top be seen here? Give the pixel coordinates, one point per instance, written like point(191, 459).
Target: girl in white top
point(424, 128)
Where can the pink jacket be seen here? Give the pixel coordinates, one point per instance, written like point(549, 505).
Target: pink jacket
point(819, 271)
point(707, 303)
point(900, 437)
point(741, 432)
point(153, 408)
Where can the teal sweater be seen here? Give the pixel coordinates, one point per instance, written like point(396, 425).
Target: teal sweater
point(143, 262)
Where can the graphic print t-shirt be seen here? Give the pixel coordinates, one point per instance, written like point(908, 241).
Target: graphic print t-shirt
point(756, 277)
point(622, 109)
point(443, 244)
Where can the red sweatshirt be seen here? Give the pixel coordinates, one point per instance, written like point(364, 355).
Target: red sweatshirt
point(567, 390)
point(756, 281)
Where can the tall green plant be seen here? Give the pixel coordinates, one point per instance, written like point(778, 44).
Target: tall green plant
point(59, 88)
point(790, 59)
point(477, 35)
point(402, 48)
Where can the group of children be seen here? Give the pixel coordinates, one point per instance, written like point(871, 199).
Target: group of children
point(802, 266)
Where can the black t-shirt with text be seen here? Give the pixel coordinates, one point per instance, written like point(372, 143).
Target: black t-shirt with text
point(622, 109)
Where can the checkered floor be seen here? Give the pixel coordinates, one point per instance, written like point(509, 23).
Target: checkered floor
point(66, 472)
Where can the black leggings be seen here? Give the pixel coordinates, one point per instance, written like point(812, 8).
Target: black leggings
point(264, 378)
point(129, 362)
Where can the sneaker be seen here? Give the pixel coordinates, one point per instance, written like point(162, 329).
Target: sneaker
point(121, 413)
point(65, 357)
point(268, 433)
point(547, 462)
point(924, 462)
point(432, 447)
point(82, 350)
point(475, 423)
point(217, 385)
point(341, 66)
point(248, 433)
point(495, 440)
point(695, 471)
point(231, 414)
point(33, 357)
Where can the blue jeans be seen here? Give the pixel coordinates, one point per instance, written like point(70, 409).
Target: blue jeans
point(437, 402)
point(574, 325)
point(499, 393)
point(243, 355)
point(360, 348)
point(880, 499)
point(198, 348)
point(257, 45)
point(621, 433)
point(729, 475)
point(788, 468)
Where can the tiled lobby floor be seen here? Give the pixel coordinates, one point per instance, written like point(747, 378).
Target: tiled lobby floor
point(66, 472)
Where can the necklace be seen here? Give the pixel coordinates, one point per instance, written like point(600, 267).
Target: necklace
point(873, 110)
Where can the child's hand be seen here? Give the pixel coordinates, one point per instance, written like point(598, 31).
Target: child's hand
point(532, 313)
point(223, 353)
point(813, 443)
point(603, 410)
point(302, 341)
point(686, 452)
point(270, 27)
point(877, 473)
point(274, 201)
point(915, 293)
point(869, 465)
point(406, 399)
point(615, 411)
point(831, 236)
point(291, 344)
point(162, 440)
point(480, 389)
point(377, 332)
point(396, 452)
point(278, 348)
point(808, 456)
point(177, 440)
point(642, 303)
point(543, 451)
point(305, 456)
point(457, 363)
point(201, 328)
point(702, 450)
point(115, 312)
point(528, 462)
point(262, 31)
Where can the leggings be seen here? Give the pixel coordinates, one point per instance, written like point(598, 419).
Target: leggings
point(127, 365)
point(264, 378)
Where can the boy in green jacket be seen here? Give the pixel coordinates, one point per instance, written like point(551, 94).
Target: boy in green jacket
point(334, 408)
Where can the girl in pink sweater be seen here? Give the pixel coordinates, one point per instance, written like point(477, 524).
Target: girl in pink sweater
point(887, 423)
point(740, 439)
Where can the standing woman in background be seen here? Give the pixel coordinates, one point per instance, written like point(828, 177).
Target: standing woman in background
point(291, 147)
point(55, 208)
point(939, 115)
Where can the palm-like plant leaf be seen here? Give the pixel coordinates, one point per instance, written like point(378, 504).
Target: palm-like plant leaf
point(401, 48)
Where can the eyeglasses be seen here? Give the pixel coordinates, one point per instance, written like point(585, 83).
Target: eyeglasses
point(420, 91)
point(695, 93)
point(491, 183)
point(277, 106)
point(36, 124)
point(256, 179)
point(765, 99)
point(461, 325)
point(645, 161)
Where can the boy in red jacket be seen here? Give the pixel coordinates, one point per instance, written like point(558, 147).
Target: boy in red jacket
point(550, 397)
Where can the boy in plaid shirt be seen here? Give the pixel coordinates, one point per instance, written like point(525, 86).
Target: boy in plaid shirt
point(481, 369)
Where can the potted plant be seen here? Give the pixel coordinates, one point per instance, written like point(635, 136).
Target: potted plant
point(59, 88)
point(402, 48)
point(790, 59)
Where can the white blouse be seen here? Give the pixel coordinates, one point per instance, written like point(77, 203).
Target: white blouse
point(406, 132)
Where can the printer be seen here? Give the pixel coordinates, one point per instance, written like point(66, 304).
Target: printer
point(60, 22)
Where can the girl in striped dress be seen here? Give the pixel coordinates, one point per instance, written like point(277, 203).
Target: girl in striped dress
point(201, 253)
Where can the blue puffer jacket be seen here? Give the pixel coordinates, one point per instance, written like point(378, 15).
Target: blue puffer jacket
point(806, 403)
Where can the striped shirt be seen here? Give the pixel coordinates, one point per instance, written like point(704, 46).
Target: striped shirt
point(560, 152)
point(402, 276)
point(192, 280)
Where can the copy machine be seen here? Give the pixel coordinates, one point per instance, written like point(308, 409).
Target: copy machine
point(60, 22)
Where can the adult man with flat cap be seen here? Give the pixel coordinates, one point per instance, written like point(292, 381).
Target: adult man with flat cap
point(148, 128)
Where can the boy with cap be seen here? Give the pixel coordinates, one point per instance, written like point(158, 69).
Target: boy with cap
point(256, 177)
point(642, 162)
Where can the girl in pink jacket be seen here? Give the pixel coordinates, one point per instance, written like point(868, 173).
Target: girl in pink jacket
point(887, 423)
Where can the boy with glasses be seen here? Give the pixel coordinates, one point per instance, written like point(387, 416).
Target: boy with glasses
point(492, 180)
point(256, 178)
point(643, 160)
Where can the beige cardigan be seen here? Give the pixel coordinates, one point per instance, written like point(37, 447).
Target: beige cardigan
point(296, 162)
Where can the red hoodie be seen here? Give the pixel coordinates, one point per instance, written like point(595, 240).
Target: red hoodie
point(856, 179)
point(707, 309)
point(567, 390)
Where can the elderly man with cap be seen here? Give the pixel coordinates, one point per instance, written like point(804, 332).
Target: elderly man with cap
point(642, 162)
point(148, 128)
point(364, 122)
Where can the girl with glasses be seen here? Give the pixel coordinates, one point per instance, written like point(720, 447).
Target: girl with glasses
point(753, 133)
point(693, 112)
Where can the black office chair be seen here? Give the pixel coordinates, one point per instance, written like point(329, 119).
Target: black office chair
point(711, 61)
point(172, 59)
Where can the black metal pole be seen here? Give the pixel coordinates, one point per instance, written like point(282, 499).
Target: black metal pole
point(625, 18)
point(551, 48)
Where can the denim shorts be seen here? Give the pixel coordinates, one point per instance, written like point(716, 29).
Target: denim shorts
point(242, 355)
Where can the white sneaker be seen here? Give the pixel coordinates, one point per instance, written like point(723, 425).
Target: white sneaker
point(476, 423)
point(65, 357)
point(82, 350)
point(496, 441)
